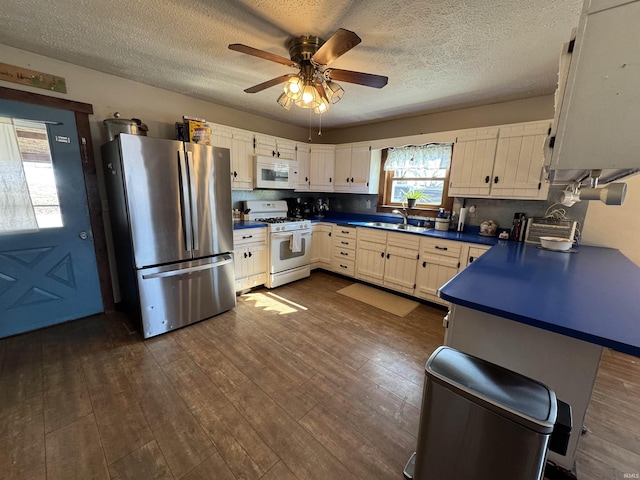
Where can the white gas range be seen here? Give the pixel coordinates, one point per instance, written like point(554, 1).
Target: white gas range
point(289, 244)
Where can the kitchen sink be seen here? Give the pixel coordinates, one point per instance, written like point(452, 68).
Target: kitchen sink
point(396, 226)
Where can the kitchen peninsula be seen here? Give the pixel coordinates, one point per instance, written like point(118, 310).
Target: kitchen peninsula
point(547, 315)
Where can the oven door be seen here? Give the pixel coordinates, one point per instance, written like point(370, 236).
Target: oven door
point(284, 255)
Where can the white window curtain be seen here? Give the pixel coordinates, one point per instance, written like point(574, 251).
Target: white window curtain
point(16, 209)
point(420, 160)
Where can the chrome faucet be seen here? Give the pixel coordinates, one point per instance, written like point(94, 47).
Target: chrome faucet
point(403, 212)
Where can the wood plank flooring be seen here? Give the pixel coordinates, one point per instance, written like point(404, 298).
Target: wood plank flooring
point(295, 383)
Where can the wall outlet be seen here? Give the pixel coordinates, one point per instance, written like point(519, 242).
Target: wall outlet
point(473, 211)
point(368, 203)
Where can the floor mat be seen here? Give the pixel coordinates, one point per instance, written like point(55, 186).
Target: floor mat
point(377, 298)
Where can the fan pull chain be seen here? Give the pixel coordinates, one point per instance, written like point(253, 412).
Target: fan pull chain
point(320, 128)
point(309, 125)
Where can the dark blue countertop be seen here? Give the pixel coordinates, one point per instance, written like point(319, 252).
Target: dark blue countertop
point(470, 235)
point(592, 295)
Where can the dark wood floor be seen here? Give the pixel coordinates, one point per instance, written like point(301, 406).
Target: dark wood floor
point(295, 383)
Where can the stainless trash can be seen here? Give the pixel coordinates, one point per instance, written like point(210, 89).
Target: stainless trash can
point(480, 421)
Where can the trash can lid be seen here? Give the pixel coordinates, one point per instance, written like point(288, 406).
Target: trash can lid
point(503, 391)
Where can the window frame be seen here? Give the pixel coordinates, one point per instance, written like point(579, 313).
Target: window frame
point(422, 209)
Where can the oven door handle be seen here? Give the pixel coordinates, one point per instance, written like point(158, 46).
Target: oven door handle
point(288, 234)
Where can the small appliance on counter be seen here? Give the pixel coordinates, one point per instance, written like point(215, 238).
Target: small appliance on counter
point(322, 206)
point(519, 227)
point(442, 220)
point(488, 228)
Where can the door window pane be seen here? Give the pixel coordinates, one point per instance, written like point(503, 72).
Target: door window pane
point(28, 190)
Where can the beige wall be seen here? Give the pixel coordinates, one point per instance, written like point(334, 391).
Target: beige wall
point(616, 226)
point(158, 109)
point(530, 109)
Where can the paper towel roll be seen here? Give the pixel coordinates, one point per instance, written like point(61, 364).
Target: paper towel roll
point(461, 218)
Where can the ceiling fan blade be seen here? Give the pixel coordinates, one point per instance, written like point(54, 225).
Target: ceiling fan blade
point(340, 43)
point(238, 47)
point(367, 79)
point(268, 83)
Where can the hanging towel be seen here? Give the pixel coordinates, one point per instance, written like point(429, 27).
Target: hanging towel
point(295, 243)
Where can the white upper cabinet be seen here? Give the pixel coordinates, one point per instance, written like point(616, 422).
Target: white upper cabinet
point(285, 149)
point(240, 143)
point(472, 162)
point(357, 168)
point(265, 145)
point(599, 115)
point(501, 162)
point(242, 160)
point(518, 171)
point(303, 154)
point(342, 168)
point(321, 168)
point(268, 146)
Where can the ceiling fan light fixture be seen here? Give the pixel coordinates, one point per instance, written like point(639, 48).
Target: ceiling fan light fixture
point(334, 91)
point(322, 107)
point(309, 97)
point(293, 87)
point(285, 101)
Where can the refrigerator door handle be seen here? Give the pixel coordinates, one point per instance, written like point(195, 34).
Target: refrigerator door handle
point(185, 202)
point(194, 203)
point(227, 260)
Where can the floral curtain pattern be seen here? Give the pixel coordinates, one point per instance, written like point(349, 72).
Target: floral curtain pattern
point(420, 161)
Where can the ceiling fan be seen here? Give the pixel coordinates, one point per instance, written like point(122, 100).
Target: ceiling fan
point(314, 85)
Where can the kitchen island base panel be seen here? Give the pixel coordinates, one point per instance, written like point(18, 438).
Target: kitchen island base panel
point(567, 365)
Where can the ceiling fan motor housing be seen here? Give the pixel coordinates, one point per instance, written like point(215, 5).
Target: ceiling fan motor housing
point(302, 48)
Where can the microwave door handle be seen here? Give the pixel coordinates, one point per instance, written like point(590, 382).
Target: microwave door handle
point(184, 201)
point(194, 202)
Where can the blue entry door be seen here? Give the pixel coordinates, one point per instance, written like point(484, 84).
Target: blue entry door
point(48, 270)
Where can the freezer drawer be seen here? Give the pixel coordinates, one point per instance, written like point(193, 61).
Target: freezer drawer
point(176, 295)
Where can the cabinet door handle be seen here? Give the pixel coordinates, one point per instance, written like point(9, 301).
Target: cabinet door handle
point(330, 179)
point(424, 264)
point(344, 243)
point(347, 179)
point(329, 233)
point(306, 179)
point(273, 153)
point(381, 254)
point(495, 180)
point(235, 174)
point(250, 254)
point(441, 248)
point(351, 179)
point(388, 255)
point(345, 254)
point(471, 259)
point(346, 232)
point(486, 179)
point(244, 237)
point(278, 154)
point(343, 266)
point(245, 254)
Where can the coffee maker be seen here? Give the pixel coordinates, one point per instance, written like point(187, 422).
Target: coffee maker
point(295, 207)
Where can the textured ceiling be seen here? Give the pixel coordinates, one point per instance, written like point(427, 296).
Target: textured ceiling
point(438, 54)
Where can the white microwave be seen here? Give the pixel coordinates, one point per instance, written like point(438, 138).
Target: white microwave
point(275, 173)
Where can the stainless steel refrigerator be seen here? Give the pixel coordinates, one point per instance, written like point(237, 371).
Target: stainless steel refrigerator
point(170, 210)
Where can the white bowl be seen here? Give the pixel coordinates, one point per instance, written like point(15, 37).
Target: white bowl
point(556, 243)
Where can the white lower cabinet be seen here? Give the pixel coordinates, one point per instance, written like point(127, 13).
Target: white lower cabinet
point(321, 245)
point(250, 257)
point(372, 246)
point(401, 261)
point(475, 251)
point(439, 262)
point(344, 250)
